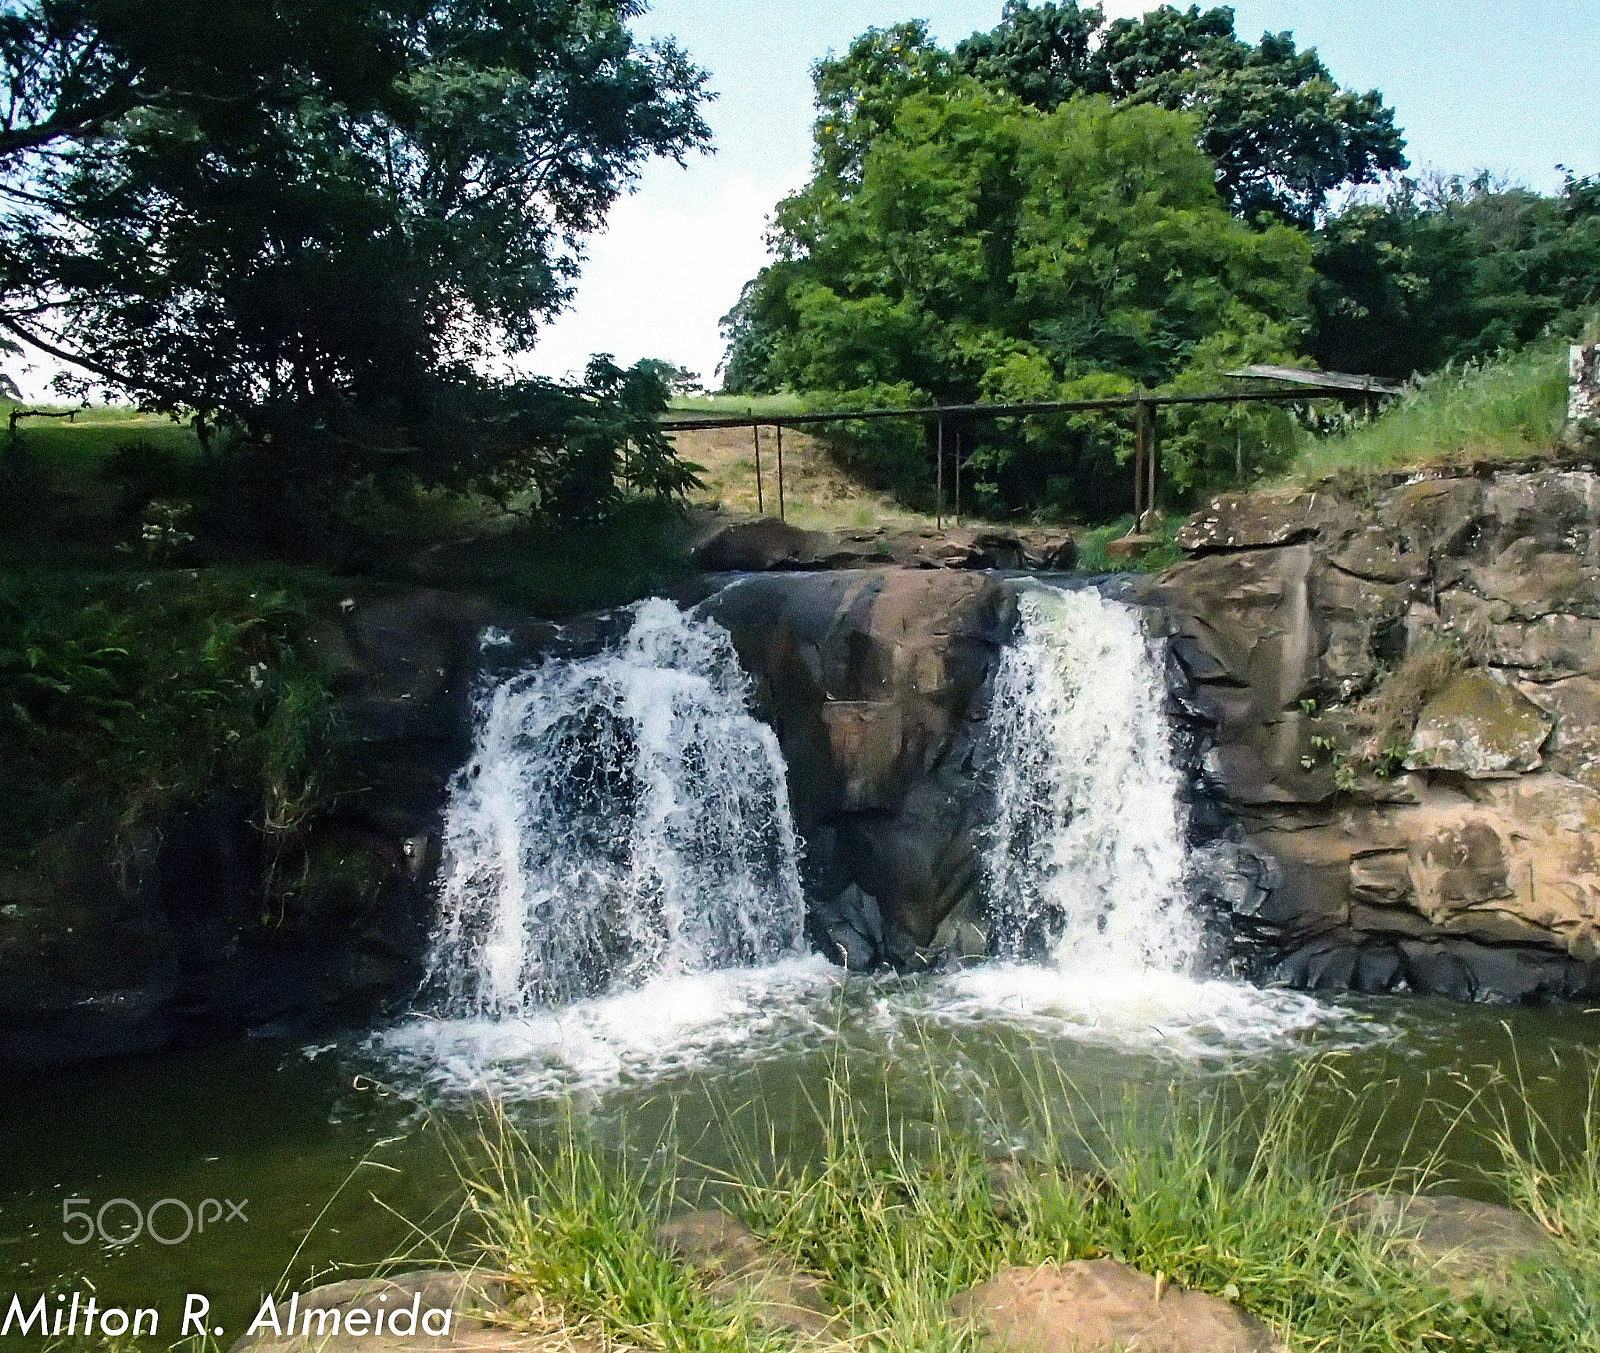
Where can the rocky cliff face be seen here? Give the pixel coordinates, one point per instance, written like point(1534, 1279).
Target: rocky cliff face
point(109, 951)
point(874, 681)
point(1389, 705)
point(1400, 697)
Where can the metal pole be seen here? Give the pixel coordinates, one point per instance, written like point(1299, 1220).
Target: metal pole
point(1141, 434)
point(781, 517)
point(956, 466)
point(938, 500)
point(755, 436)
point(1154, 459)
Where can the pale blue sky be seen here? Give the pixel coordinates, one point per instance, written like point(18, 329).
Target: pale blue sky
point(1508, 85)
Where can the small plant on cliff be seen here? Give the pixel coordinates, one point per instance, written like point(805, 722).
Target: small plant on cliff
point(1385, 717)
point(120, 701)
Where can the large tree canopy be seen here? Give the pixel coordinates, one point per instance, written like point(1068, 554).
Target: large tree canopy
point(324, 220)
point(1283, 134)
point(995, 251)
point(1061, 206)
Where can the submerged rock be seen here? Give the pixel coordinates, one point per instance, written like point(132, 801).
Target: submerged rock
point(1103, 1306)
point(739, 1267)
point(1462, 1240)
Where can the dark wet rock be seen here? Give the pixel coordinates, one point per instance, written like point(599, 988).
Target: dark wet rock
point(873, 681)
point(757, 544)
point(1103, 1306)
point(760, 544)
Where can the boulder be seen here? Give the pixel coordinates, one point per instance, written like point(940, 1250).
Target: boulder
point(739, 1267)
point(1481, 727)
point(1573, 706)
point(1238, 521)
point(1103, 1306)
point(756, 544)
point(1464, 1241)
point(873, 681)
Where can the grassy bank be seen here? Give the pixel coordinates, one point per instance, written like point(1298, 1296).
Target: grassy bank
point(1241, 1197)
point(1503, 409)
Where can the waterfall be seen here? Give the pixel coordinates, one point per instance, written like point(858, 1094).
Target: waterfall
point(1084, 856)
point(623, 819)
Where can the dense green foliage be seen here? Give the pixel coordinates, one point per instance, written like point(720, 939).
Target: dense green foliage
point(1283, 134)
point(123, 700)
point(1058, 208)
point(1453, 271)
point(317, 224)
point(993, 251)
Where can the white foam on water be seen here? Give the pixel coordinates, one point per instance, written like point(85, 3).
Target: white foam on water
point(1143, 1010)
point(668, 1026)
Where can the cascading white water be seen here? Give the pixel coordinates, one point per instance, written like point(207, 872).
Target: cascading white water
point(623, 818)
point(1084, 858)
point(1084, 854)
point(621, 898)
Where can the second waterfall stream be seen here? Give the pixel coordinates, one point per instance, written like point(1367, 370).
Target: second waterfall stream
point(621, 895)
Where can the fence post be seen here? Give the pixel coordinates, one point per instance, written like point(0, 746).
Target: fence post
point(778, 427)
point(1141, 422)
point(955, 467)
point(755, 436)
point(1152, 459)
point(938, 500)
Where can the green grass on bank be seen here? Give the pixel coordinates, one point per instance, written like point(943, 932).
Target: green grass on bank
point(1093, 560)
point(1235, 1194)
point(736, 406)
point(1506, 408)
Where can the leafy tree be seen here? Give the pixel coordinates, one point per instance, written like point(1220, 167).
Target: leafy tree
point(1453, 269)
point(1283, 134)
point(327, 250)
point(997, 252)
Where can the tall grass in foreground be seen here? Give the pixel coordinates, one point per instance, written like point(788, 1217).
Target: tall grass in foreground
point(1241, 1197)
point(1507, 407)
